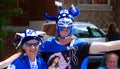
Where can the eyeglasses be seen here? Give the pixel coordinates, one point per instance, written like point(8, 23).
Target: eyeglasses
point(32, 44)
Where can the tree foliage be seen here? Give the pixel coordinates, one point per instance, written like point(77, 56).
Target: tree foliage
point(7, 8)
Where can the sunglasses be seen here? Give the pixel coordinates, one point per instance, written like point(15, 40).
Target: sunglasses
point(32, 44)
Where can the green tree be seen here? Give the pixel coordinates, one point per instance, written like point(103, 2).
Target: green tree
point(7, 8)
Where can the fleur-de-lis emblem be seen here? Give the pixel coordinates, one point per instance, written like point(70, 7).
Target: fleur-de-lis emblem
point(30, 32)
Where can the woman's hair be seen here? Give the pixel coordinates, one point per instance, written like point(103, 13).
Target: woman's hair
point(112, 29)
point(22, 51)
point(52, 60)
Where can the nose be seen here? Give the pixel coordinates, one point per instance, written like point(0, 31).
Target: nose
point(33, 47)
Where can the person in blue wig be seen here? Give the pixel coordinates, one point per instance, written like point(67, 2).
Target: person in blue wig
point(71, 50)
point(29, 42)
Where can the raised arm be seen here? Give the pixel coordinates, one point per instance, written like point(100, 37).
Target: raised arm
point(104, 46)
point(5, 63)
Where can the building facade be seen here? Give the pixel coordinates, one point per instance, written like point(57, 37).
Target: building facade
point(99, 12)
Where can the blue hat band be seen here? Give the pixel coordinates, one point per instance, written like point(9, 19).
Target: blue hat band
point(29, 38)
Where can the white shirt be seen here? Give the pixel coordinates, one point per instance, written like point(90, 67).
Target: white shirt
point(33, 65)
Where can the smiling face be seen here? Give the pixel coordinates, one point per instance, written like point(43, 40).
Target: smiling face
point(64, 27)
point(111, 62)
point(64, 32)
point(31, 48)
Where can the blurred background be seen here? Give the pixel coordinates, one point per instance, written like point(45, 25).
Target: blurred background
point(16, 15)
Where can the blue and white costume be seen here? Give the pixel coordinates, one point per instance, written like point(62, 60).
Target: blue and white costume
point(23, 62)
point(73, 54)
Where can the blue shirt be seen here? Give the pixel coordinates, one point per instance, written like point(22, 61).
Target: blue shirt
point(23, 63)
point(51, 46)
point(105, 68)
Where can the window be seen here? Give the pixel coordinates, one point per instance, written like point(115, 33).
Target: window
point(95, 32)
point(94, 4)
point(93, 1)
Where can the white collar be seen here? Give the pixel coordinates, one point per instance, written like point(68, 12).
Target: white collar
point(35, 62)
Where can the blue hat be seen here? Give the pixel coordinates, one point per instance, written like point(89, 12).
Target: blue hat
point(64, 18)
point(28, 34)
